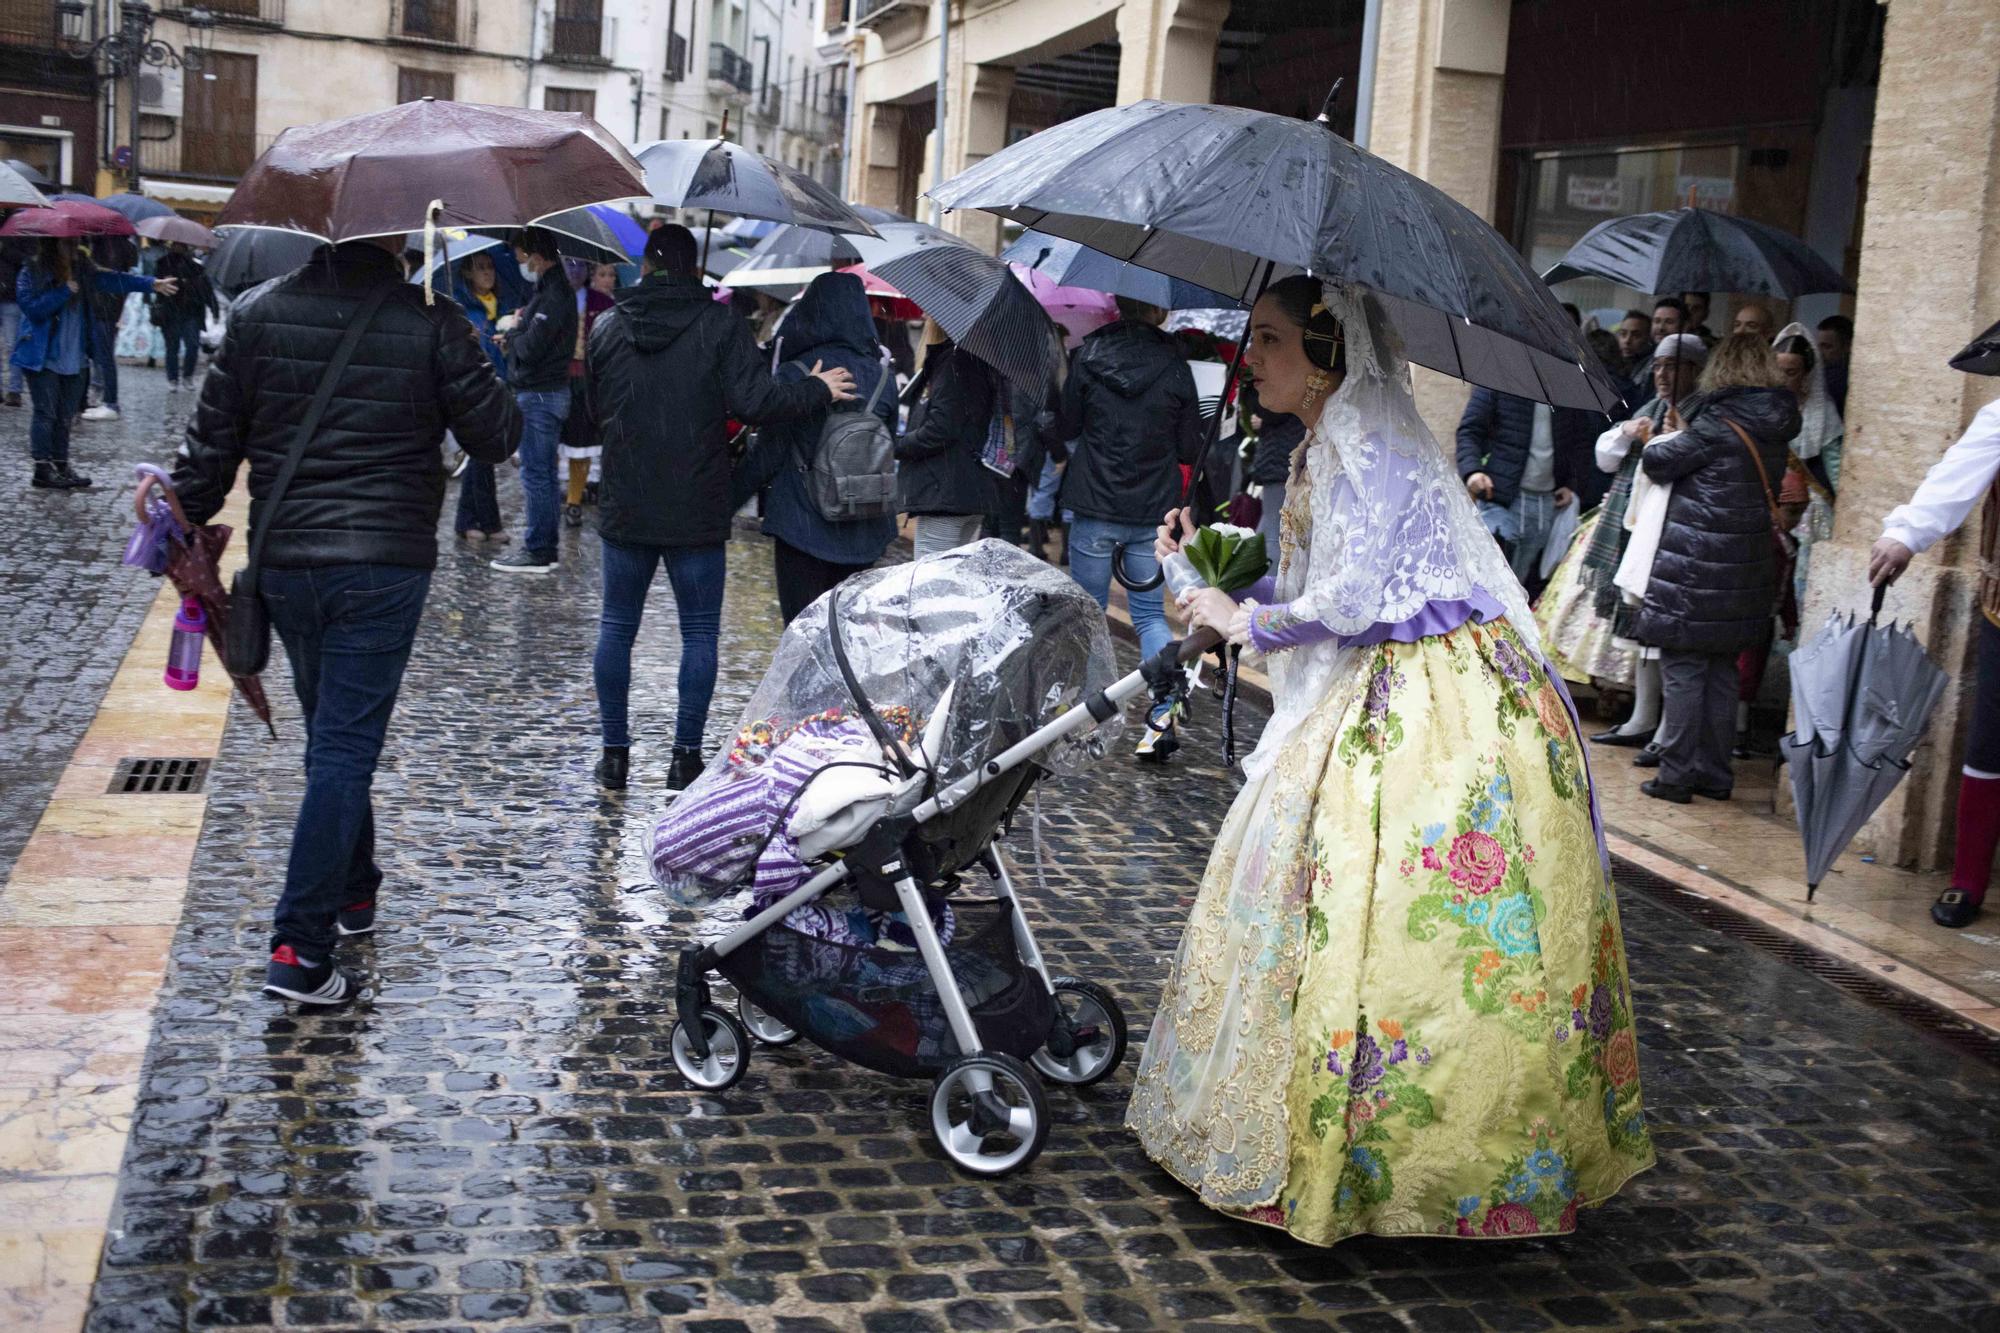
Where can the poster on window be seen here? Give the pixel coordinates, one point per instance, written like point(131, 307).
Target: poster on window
point(1715, 193)
point(1597, 194)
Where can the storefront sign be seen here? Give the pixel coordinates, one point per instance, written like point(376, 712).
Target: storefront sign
point(1597, 194)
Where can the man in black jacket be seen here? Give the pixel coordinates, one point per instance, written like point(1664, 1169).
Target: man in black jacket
point(1522, 461)
point(540, 341)
point(351, 543)
point(666, 367)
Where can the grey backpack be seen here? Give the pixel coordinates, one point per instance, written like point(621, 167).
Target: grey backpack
point(852, 471)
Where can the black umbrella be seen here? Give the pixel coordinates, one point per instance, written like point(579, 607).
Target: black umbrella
point(793, 254)
point(1694, 250)
point(1982, 355)
point(973, 296)
point(1226, 197)
point(725, 177)
point(246, 256)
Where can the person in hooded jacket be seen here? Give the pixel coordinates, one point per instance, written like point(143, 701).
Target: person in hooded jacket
point(1715, 578)
point(540, 339)
point(940, 481)
point(663, 370)
point(810, 554)
point(478, 290)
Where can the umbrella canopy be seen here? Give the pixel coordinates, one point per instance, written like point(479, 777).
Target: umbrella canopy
point(884, 297)
point(726, 177)
point(1694, 250)
point(753, 229)
point(175, 228)
point(27, 173)
point(17, 191)
point(1982, 355)
point(1075, 265)
point(630, 235)
point(582, 233)
point(449, 250)
point(801, 254)
point(64, 218)
point(720, 255)
point(246, 256)
point(1227, 324)
point(136, 207)
point(973, 296)
point(1227, 197)
point(377, 174)
point(1862, 695)
point(1076, 310)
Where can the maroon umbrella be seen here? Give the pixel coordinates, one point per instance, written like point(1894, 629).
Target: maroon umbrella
point(65, 219)
point(174, 227)
point(379, 174)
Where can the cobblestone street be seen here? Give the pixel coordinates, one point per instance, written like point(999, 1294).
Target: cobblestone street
point(496, 1136)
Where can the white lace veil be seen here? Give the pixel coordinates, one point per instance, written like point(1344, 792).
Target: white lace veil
point(1391, 526)
point(1819, 419)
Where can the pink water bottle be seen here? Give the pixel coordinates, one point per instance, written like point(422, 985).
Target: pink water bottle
point(184, 650)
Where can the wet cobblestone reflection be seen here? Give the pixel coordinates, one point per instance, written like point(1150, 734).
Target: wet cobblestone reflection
point(497, 1135)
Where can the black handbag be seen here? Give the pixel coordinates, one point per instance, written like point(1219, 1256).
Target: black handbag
point(246, 640)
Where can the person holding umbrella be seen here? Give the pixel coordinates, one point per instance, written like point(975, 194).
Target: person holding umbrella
point(182, 314)
point(59, 330)
point(477, 290)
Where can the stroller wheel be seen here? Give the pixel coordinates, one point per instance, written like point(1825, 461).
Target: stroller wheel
point(764, 1027)
point(1089, 1041)
point(988, 1114)
point(728, 1051)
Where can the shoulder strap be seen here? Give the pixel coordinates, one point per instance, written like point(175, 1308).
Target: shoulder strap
point(310, 423)
point(886, 372)
point(1763, 476)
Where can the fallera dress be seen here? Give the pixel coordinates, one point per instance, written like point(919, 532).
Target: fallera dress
point(1400, 1006)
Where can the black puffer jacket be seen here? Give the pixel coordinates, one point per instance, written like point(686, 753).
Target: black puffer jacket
point(372, 480)
point(1715, 579)
point(194, 296)
point(1497, 432)
point(543, 343)
point(1132, 417)
point(666, 368)
point(937, 461)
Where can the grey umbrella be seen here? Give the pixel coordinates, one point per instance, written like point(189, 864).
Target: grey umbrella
point(1862, 694)
point(17, 191)
point(1694, 250)
point(973, 297)
point(790, 256)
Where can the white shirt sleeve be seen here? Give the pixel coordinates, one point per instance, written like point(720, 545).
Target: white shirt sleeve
point(1952, 488)
point(1612, 446)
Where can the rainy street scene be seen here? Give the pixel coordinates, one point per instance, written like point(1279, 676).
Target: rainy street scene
point(899, 666)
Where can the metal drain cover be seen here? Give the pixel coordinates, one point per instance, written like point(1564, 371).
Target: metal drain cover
point(158, 777)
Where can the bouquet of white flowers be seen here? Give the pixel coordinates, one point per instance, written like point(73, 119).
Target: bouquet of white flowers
point(1223, 556)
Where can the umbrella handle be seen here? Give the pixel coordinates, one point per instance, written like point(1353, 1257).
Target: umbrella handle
point(1875, 606)
point(150, 478)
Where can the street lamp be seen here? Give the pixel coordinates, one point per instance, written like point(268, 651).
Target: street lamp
point(122, 54)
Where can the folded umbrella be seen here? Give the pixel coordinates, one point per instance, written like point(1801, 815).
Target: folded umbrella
point(1862, 696)
point(1695, 250)
point(1075, 265)
point(175, 228)
point(973, 297)
point(246, 256)
point(17, 191)
point(1982, 355)
point(66, 218)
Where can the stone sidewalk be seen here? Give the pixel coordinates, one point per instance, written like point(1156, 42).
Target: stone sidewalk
point(497, 1136)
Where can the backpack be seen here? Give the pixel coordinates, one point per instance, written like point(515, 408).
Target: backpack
point(852, 471)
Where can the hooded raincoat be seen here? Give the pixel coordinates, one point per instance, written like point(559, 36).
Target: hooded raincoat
point(1132, 416)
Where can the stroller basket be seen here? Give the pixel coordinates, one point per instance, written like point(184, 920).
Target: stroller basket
point(880, 1008)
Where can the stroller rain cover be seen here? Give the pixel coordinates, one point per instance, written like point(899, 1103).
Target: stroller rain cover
point(1004, 642)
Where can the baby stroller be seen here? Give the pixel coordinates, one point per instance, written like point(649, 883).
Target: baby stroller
point(904, 719)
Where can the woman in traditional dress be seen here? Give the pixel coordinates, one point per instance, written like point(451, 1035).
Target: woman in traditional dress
point(1400, 1006)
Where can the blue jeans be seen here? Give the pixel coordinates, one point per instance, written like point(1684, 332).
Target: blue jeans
point(1091, 543)
point(348, 631)
point(542, 415)
point(1042, 499)
point(478, 500)
point(10, 334)
point(57, 399)
point(183, 337)
point(696, 573)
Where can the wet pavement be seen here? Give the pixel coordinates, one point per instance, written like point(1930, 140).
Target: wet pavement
point(497, 1136)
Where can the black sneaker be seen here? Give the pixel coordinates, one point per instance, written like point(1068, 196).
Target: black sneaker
point(47, 478)
point(70, 479)
point(356, 919)
point(614, 767)
point(686, 767)
point(526, 562)
point(291, 977)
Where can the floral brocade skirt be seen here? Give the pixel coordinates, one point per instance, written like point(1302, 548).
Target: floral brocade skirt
point(1400, 1007)
point(1580, 643)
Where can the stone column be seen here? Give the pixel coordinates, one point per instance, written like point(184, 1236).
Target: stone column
point(1167, 49)
point(1439, 74)
point(1929, 279)
point(975, 129)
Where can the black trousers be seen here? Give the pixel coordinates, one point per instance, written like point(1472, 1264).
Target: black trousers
point(802, 578)
point(1982, 745)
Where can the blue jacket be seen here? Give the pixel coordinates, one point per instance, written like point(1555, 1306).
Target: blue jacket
point(1498, 429)
point(461, 292)
point(831, 324)
point(44, 302)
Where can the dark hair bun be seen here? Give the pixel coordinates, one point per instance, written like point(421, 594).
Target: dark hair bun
point(1303, 303)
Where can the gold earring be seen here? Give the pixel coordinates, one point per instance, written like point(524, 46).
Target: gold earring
point(1315, 386)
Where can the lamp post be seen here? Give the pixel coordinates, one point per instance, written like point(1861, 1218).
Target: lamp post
point(119, 56)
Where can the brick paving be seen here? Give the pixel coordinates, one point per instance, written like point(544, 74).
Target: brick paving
point(496, 1136)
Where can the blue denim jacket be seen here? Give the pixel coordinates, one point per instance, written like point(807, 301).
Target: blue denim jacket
point(45, 303)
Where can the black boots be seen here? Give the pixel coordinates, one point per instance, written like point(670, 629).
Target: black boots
point(685, 769)
point(58, 477)
point(71, 479)
point(614, 767)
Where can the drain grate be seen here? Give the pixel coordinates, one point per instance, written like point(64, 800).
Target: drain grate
point(1933, 1018)
point(158, 777)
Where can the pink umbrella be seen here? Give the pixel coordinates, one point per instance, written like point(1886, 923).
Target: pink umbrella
point(174, 227)
point(66, 219)
point(1079, 310)
point(886, 296)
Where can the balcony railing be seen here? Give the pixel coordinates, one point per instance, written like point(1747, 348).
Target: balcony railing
point(726, 66)
point(253, 13)
point(195, 153)
point(447, 22)
point(769, 103)
point(577, 36)
point(28, 23)
point(868, 11)
point(677, 58)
